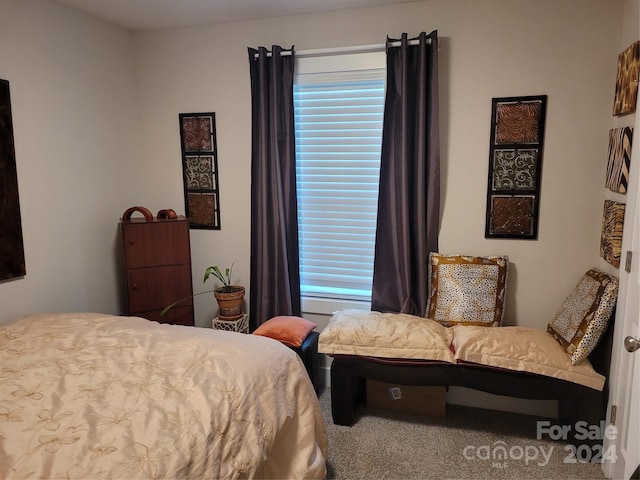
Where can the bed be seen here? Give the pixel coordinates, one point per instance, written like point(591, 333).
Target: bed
point(100, 396)
point(568, 362)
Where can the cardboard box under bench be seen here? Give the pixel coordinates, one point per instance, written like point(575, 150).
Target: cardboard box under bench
point(430, 401)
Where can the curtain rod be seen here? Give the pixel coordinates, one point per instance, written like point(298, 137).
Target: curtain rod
point(345, 50)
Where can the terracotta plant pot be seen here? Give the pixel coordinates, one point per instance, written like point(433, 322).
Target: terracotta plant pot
point(230, 303)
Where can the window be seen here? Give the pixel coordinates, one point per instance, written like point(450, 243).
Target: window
point(339, 104)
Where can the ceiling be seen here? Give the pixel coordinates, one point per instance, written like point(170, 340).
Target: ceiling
point(157, 14)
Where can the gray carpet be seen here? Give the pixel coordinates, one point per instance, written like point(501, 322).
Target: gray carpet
point(383, 444)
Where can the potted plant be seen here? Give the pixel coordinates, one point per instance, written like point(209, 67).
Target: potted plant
point(229, 296)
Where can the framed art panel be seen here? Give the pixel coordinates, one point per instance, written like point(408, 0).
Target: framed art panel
point(513, 216)
point(619, 159)
point(515, 165)
point(12, 263)
point(626, 93)
point(514, 169)
point(200, 169)
point(517, 120)
point(612, 225)
point(202, 206)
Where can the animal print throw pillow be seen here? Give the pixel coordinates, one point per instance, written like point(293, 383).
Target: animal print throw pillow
point(585, 313)
point(467, 290)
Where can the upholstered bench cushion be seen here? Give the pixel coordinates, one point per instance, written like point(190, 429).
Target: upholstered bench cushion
point(403, 337)
point(521, 349)
point(386, 335)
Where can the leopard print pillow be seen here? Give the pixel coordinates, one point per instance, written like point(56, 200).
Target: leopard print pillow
point(584, 315)
point(467, 290)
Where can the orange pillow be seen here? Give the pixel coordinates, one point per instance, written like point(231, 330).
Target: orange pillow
point(286, 329)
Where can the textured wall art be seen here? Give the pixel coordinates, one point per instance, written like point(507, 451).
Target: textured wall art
point(517, 121)
point(515, 169)
point(626, 93)
point(619, 158)
point(200, 169)
point(515, 163)
point(12, 262)
point(512, 215)
point(612, 225)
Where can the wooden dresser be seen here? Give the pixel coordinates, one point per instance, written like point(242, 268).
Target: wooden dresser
point(157, 262)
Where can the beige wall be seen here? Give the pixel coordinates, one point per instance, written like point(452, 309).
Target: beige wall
point(96, 119)
point(73, 95)
point(566, 49)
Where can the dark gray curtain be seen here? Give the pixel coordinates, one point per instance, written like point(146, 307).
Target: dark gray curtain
point(409, 200)
point(275, 272)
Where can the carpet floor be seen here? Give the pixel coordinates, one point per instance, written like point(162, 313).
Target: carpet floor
point(468, 443)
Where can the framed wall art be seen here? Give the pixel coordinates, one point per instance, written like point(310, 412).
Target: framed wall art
point(515, 166)
point(626, 93)
point(612, 226)
point(200, 169)
point(12, 262)
point(619, 158)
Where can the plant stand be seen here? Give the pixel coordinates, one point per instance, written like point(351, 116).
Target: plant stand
point(241, 325)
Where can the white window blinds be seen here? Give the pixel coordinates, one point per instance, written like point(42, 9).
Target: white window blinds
point(339, 103)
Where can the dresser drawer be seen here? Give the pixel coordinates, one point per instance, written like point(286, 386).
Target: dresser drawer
point(156, 243)
point(154, 288)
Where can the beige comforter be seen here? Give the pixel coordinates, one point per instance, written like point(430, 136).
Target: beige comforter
point(97, 396)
